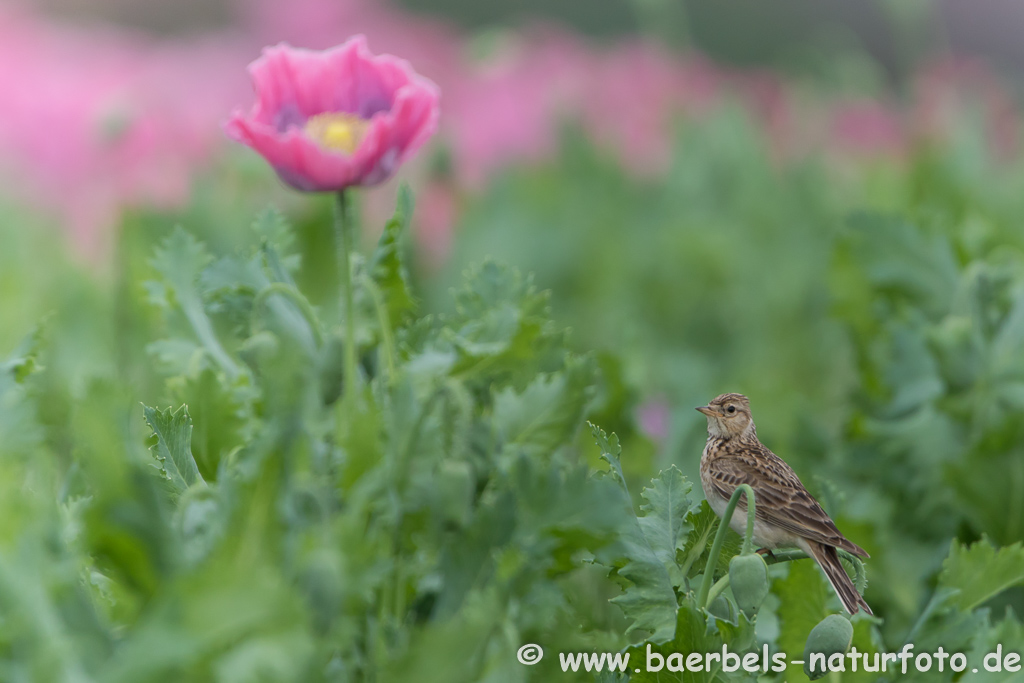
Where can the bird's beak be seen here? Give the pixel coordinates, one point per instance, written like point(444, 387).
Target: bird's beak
point(707, 410)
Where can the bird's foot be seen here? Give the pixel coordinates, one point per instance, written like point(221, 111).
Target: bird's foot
point(766, 552)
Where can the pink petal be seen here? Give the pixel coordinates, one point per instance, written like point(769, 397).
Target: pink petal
point(294, 84)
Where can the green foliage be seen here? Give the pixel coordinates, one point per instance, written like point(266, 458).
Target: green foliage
point(981, 571)
point(288, 538)
point(657, 598)
point(696, 631)
point(546, 413)
point(387, 266)
point(704, 524)
point(173, 447)
point(803, 602)
point(257, 527)
point(24, 360)
point(664, 521)
point(873, 317)
point(650, 601)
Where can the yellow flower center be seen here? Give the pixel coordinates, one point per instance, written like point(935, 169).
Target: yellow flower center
point(337, 131)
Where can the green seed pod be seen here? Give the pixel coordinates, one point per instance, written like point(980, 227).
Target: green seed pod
point(722, 608)
point(748, 576)
point(453, 487)
point(259, 348)
point(332, 373)
point(831, 636)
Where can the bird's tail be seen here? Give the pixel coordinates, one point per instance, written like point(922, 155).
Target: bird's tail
point(828, 559)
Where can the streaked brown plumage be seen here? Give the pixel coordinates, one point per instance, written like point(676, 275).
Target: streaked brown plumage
point(787, 515)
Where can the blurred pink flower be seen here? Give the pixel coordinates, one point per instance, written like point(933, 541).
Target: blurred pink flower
point(653, 417)
point(867, 127)
point(633, 95)
point(434, 223)
point(337, 118)
point(771, 104)
point(952, 90)
point(94, 119)
point(508, 107)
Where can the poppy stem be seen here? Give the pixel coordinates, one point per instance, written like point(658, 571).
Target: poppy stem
point(343, 238)
point(723, 525)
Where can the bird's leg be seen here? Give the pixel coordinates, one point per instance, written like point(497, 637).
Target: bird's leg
point(766, 552)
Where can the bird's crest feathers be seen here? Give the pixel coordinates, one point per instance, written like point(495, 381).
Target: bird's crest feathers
point(738, 399)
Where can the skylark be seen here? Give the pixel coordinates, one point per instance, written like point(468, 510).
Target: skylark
point(787, 515)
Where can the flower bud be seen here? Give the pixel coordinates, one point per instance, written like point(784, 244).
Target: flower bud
point(748, 576)
point(722, 608)
point(332, 373)
point(453, 488)
point(832, 635)
point(259, 348)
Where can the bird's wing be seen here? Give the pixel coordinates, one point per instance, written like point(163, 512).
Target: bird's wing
point(781, 498)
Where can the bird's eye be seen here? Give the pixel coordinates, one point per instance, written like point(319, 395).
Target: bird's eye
point(731, 409)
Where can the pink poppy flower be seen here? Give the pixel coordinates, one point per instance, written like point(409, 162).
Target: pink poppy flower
point(329, 120)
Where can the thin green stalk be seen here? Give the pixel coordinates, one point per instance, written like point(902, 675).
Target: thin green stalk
point(860, 577)
point(933, 604)
point(385, 325)
point(716, 547)
point(192, 307)
point(343, 238)
point(719, 586)
point(748, 538)
point(293, 295)
point(695, 553)
point(787, 555)
point(394, 598)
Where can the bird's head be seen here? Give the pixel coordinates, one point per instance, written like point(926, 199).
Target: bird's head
point(728, 416)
